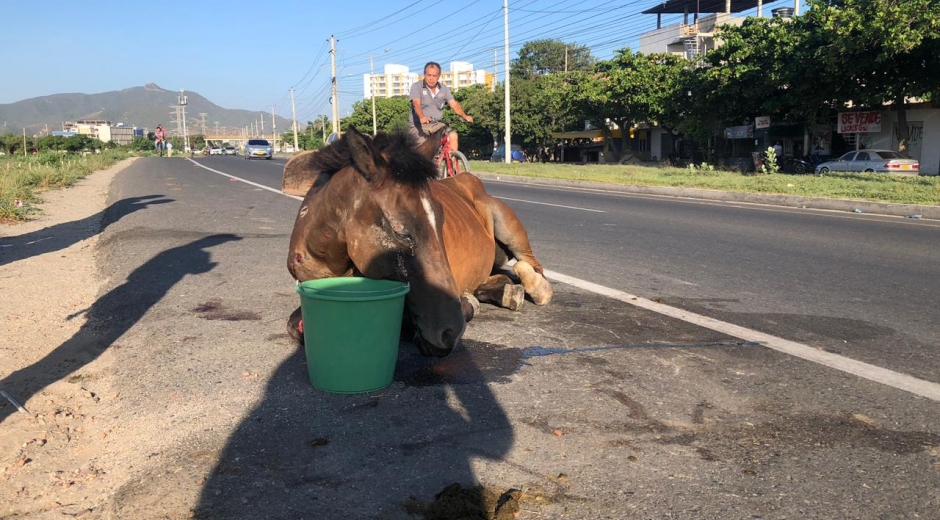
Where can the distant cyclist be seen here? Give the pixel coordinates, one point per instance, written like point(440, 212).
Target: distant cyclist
point(428, 99)
point(159, 136)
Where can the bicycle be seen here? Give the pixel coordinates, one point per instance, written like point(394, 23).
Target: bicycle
point(161, 146)
point(450, 162)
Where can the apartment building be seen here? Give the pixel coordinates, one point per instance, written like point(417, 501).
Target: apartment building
point(462, 75)
point(396, 80)
point(101, 129)
point(695, 35)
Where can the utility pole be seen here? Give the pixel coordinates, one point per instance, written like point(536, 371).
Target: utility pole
point(566, 58)
point(176, 119)
point(262, 126)
point(24, 141)
point(335, 97)
point(182, 101)
point(293, 113)
point(274, 127)
point(508, 137)
point(796, 7)
point(203, 116)
point(216, 128)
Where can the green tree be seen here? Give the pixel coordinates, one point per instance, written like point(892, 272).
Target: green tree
point(550, 56)
point(390, 114)
point(486, 107)
point(885, 50)
point(141, 144)
point(630, 88)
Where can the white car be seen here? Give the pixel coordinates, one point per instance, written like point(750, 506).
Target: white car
point(258, 148)
point(882, 161)
point(215, 150)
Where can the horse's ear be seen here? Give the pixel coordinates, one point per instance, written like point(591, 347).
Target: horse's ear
point(363, 154)
point(431, 145)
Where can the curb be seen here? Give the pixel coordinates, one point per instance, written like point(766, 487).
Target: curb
point(852, 206)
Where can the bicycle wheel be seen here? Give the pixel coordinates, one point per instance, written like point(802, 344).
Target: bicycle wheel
point(459, 160)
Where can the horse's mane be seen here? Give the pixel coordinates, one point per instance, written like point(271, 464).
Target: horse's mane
point(405, 164)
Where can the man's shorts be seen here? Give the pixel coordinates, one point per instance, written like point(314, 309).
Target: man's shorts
point(426, 130)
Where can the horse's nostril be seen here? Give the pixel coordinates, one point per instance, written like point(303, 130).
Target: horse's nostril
point(448, 338)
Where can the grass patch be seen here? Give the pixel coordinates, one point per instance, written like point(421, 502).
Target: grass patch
point(22, 179)
point(859, 186)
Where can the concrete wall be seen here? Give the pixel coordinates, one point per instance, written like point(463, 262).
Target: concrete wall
point(925, 138)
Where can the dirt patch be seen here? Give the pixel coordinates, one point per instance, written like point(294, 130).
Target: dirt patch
point(50, 457)
point(475, 503)
point(215, 310)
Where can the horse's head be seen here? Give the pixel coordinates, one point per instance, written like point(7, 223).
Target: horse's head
point(370, 213)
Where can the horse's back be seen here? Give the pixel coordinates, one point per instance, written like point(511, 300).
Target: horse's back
point(467, 229)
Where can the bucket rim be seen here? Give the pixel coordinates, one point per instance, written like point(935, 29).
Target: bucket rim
point(396, 289)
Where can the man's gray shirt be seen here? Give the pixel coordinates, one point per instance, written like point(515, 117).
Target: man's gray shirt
point(431, 105)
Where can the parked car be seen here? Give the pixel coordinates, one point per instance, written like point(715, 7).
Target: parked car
point(229, 150)
point(805, 164)
point(881, 161)
point(215, 150)
point(258, 148)
point(499, 155)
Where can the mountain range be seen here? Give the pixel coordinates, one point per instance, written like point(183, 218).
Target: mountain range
point(144, 106)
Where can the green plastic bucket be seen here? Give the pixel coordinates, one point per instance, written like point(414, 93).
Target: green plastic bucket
point(351, 331)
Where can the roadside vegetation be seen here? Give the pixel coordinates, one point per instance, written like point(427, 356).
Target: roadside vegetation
point(24, 178)
point(801, 72)
point(860, 186)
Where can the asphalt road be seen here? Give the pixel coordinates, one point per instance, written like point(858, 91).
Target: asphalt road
point(861, 286)
point(595, 408)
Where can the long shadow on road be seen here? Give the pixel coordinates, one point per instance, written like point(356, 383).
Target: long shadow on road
point(112, 315)
point(303, 453)
point(62, 236)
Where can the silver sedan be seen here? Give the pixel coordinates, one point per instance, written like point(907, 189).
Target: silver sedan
point(258, 148)
point(882, 161)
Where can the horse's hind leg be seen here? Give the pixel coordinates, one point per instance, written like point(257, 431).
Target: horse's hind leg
point(500, 291)
point(512, 236)
point(534, 282)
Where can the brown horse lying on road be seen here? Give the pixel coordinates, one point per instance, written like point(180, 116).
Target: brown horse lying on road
point(373, 209)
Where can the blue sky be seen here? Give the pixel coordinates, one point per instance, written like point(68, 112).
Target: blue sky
point(247, 54)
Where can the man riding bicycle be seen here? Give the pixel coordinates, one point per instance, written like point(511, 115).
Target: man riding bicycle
point(159, 136)
point(428, 98)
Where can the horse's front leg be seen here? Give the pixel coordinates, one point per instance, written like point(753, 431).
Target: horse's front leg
point(295, 326)
point(499, 290)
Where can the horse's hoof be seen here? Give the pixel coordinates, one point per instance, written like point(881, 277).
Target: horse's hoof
point(535, 284)
point(513, 296)
point(470, 306)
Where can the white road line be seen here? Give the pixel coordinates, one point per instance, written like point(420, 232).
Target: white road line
point(556, 205)
point(864, 370)
point(858, 368)
point(263, 187)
